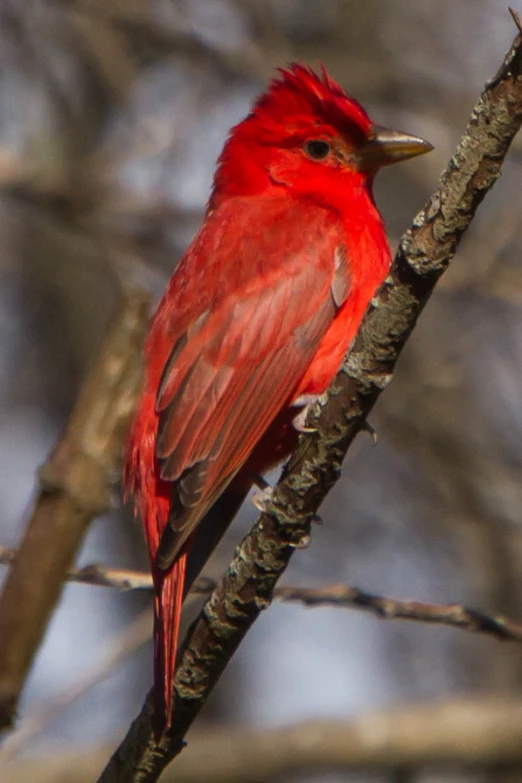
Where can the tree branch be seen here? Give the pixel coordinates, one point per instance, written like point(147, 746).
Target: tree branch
point(95, 574)
point(338, 596)
point(423, 255)
point(471, 733)
point(452, 615)
point(75, 484)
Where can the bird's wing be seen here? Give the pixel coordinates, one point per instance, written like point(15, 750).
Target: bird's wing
point(231, 372)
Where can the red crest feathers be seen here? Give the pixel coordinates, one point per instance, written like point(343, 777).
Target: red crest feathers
point(300, 100)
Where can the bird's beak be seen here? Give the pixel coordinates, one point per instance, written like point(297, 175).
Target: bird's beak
point(385, 146)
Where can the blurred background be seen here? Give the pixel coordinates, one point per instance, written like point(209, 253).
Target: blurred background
point(112, 113)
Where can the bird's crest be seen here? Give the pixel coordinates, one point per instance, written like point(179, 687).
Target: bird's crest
point(300, 98)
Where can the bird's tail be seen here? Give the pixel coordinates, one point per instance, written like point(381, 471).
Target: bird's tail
point(171, 587)
point(167, 614)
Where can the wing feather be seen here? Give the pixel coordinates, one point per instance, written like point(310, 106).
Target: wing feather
point(233, 369)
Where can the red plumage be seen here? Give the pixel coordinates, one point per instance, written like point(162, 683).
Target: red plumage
point(255, 320)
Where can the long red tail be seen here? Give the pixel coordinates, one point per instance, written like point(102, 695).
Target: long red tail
point(141, 478)
point(167, 614)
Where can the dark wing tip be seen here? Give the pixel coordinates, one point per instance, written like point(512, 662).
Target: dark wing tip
point(169, 546)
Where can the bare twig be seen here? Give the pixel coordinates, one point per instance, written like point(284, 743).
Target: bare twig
point(95, 574)
point(75, 485)
point(453, 615)
point(424, 253)
point(475, 732)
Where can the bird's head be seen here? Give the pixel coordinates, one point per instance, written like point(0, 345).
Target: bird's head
point(306, 135)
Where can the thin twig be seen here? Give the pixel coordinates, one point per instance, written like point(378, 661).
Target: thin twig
point(95, 574)
point(338, 596)
point(452, 615)
point(75, 486)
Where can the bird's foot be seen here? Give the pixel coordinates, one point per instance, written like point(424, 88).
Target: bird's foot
point(261, 498)
point(303, 543)
point(299, 421)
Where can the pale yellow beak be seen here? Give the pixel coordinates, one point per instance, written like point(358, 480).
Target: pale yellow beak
point(385, 146)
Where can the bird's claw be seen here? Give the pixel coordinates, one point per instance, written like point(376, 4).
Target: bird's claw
point(299, 421)
point(261, 498)
point(303, 543)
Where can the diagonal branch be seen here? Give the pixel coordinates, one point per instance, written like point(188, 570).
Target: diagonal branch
point(423, 255)
point(452, 615)
point(75, 486)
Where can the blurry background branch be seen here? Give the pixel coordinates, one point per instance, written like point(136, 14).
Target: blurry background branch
point(456, 733)
point(424, 254)
point(122, 646)
point(96, 574)
point(74, 487)
point(453, 615)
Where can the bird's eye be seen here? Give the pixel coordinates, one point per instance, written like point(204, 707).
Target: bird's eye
point(317, 149)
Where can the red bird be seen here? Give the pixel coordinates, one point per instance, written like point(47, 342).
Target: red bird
point(254, 323)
